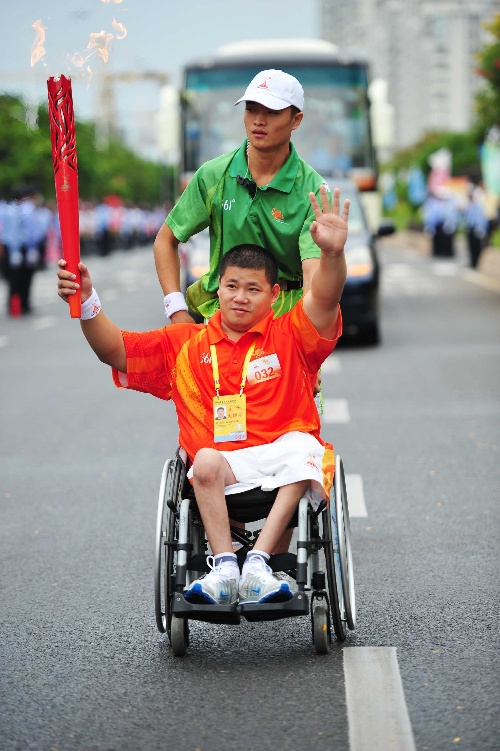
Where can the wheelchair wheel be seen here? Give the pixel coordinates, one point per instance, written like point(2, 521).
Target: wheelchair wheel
point(333, 574)
point(166, 532)
point(338, 557)
point(321, 637)
point(345, 550)
point(179, 635)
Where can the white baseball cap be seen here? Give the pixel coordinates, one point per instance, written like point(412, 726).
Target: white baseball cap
point(274, 89)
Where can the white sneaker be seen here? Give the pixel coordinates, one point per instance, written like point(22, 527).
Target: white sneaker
point(258, 583)
point(218, 587)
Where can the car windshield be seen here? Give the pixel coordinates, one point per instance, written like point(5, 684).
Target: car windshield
point(357, 221)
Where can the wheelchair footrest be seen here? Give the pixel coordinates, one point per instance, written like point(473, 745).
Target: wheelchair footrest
point(227, 614)
point(273, 611)
point(283, 562)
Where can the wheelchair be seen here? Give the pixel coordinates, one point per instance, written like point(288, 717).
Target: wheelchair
point(322, 567)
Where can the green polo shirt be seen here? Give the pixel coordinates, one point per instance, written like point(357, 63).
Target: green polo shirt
point(277, 218)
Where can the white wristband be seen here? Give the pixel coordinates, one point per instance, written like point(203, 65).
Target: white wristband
point(91, 306)
point(174, 302)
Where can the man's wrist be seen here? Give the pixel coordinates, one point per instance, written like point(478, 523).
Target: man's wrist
point(91, 307)
point(174, 302)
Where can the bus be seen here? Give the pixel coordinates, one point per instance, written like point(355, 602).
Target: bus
point(335, 136)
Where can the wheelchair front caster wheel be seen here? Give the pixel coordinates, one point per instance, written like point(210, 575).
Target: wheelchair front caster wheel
point(179, 635)
point(321, 635)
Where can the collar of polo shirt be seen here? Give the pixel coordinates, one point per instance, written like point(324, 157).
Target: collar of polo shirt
point(283, 181)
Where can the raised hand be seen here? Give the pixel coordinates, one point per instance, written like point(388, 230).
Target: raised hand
point(67, 286)
point(329, 229)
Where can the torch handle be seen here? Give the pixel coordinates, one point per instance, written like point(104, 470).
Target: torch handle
point(70, 232)
point(63, 138)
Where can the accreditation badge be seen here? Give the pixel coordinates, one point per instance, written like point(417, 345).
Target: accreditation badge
point(230, 418)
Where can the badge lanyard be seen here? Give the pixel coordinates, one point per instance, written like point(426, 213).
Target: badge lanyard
point(230, 411)
point(215, 367)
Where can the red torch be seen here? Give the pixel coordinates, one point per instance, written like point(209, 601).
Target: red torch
point(62, 134)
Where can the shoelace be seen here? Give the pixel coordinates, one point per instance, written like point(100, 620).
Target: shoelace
point(217, 570)
point(258, 559)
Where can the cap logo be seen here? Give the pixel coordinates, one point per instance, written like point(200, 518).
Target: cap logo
point(263, 85)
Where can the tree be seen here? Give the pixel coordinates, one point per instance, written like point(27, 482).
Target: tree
point(26, 157)
point(487, 101)
point(463, 146)
point(23, 152)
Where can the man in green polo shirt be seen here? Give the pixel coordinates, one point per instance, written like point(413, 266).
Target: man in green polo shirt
point(257, 194)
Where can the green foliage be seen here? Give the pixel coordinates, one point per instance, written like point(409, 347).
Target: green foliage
point(463, 146)
point(403, 214)
point(22, 153)
point(487, 102)
point(495, 239)
point(26, 157)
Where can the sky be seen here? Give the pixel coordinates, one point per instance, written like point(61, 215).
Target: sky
point(162, 35)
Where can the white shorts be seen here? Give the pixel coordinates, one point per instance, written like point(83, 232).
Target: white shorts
point(291, 457)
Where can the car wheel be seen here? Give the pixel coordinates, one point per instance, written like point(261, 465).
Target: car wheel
point(371, 334)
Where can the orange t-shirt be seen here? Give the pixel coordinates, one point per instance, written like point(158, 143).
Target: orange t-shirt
point(174, 363)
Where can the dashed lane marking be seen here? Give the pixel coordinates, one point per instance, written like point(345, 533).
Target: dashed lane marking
point(405, 279)
point(376, 708)
point(445, 269)
point(4, 341)
point(355, 496)
point(336, 411)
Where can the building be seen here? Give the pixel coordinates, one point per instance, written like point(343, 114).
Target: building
point(424, 49)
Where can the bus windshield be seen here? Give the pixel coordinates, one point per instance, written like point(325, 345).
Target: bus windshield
point(334, 136)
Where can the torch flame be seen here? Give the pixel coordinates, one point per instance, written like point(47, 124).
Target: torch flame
point(38, 51)
point(120, 28)
point(101, 41)
point(78, 59)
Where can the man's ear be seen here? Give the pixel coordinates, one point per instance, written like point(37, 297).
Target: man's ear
point(297, 119)
point(275, 290)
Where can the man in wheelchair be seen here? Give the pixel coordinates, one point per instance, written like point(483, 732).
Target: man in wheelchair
point(261, 371)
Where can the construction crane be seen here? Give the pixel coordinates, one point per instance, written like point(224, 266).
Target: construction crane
point(106, 117)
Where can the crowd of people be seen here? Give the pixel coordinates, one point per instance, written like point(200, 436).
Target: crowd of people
point(445, 212)
point(30, 237)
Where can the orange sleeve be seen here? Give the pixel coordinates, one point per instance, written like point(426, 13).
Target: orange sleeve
point(151, 359)
point(313, 346)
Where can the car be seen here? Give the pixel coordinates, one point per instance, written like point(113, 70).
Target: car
point(359, 303)
point(195, 258)
point(360, 298)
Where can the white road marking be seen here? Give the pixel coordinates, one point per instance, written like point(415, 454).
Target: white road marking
point(441, 268)
point(355, 496)
point(408, 280)
point(44, 323)
point(4, 341)
point(336, 411)
point(376, 708)
point(332, 364)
